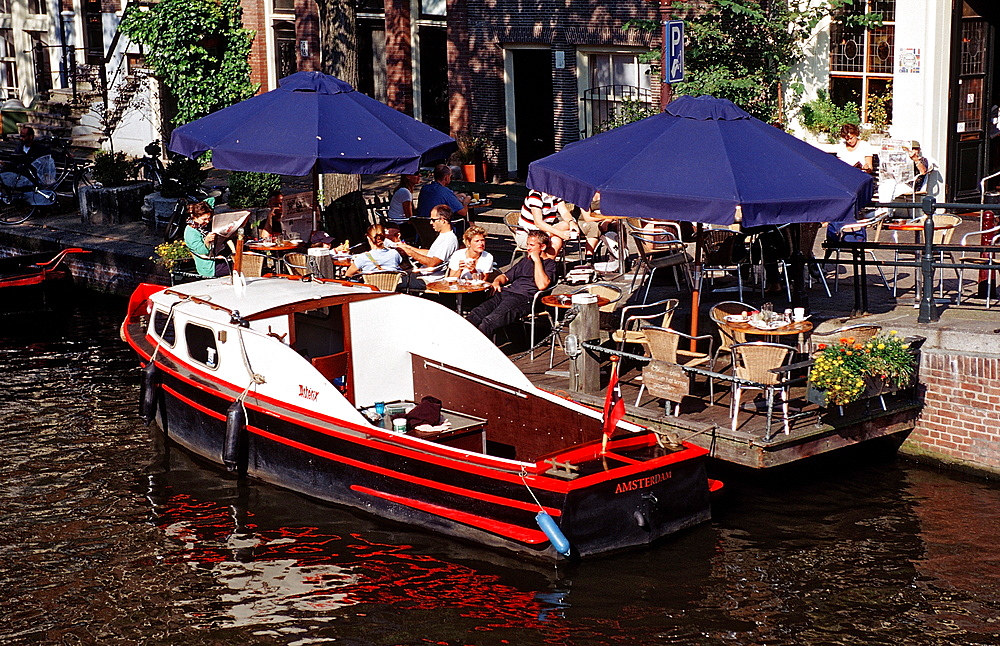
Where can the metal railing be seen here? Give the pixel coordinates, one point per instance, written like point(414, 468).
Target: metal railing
point(928, 252)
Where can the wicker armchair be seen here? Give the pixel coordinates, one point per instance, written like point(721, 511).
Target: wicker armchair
point(728, 337)
point(753, 365)
point(860, 333)
point(386, 281)
point(664, 347)
point(635, 317)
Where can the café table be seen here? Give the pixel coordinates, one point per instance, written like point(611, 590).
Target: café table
point(772, 335)
point(564, 302)
point(458, 288)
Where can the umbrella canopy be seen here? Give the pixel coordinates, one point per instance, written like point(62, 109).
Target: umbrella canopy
point(697, 162)
point(312, 120)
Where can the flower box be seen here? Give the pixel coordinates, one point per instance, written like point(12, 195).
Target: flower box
point(855, 370)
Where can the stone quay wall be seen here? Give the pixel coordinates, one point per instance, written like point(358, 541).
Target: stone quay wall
point(960, 421)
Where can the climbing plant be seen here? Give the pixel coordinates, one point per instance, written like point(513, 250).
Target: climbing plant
point(745, 50)
point(200, 51)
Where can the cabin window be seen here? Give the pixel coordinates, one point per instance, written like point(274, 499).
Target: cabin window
point(163, 326)
point(201, 344)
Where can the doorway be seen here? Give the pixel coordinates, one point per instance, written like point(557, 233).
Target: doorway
point(534, 126)
point(973, 147)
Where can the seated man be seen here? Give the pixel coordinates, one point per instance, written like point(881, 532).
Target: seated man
point(430, 264)
point(437, 192)
point(515, 288)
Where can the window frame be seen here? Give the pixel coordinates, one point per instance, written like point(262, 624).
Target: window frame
point(871, 40)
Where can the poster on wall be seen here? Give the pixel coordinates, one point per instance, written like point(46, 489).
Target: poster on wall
point(909, 60)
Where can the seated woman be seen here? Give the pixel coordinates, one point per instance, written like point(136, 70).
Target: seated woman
point(271, 226)
point(378, 258)
point(201, 241)
point(473, 261)
point(401, 206)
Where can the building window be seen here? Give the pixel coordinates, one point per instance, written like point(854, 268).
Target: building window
point(38, 7)
point(861, 60)
point(433, 8)
point(8, 64)
point(283, 6)
point(284, 49)
point(4, 6)
point(616, 80)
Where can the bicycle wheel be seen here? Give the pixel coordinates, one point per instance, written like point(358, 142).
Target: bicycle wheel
point(14, 209)
point(175, 225)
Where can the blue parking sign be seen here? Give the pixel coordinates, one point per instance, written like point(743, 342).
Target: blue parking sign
point(673, 43)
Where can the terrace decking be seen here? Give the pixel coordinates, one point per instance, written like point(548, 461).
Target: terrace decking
point(813, 430)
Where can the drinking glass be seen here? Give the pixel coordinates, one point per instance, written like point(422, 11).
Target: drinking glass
point(380, 408)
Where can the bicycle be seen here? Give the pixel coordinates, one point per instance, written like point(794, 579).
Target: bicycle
point(150, 166)
point(77, 172)
point(21, 195)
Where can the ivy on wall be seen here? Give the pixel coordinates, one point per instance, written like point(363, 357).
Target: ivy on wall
point(199, 49)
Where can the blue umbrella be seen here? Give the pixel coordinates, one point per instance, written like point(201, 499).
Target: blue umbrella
point(697, 162)
point(312, 121)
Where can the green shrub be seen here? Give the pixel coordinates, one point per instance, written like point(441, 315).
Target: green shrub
point(182, 177)
point(114, 168)
point(251, 190)
point(823, 116)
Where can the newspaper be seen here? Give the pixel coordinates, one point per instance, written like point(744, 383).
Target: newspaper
point(226, 225)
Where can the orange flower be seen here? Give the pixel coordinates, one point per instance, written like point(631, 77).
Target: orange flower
point(850, 341)
point(844, 341)
point(858, 346)
point(821, 346)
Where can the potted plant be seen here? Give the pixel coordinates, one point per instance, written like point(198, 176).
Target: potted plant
point(848, 371)
point(171, 254)
point(471, 155)
point(116, 195)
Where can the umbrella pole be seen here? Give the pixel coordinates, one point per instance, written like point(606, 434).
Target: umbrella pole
point(696, 286)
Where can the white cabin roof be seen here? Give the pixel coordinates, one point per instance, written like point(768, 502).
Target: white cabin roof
point(259, 295)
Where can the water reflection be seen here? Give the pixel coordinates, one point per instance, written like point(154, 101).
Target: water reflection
point(111, 537)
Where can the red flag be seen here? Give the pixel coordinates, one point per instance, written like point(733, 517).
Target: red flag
point(614, 406)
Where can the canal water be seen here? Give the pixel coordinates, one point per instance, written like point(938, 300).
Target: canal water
point(107, 536)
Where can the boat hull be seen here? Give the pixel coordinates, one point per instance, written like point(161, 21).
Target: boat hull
point(346, 465)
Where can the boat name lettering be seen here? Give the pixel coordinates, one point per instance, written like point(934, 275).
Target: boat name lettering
point(308, 393)
point(642, 483)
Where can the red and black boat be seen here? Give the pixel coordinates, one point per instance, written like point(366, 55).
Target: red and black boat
point(29, 278)
point(283, 380)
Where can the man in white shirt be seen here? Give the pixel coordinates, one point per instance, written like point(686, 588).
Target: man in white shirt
point(432, 264)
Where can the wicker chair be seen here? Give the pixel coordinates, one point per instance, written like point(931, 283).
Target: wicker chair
point(941, 236)
point(717, 249)
point(663, 346)
point(655, 252)
point(728, 337)
point(634, 318)
point(860, 333)
point(252, 264)
point(296, 264)
point(753, 365)
point(386, 281)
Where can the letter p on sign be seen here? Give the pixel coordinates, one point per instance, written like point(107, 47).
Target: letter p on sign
point(673, 41)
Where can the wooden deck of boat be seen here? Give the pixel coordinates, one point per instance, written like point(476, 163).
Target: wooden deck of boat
point(812, 432)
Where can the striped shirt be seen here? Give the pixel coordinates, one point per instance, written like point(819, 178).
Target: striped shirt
point(549, 204)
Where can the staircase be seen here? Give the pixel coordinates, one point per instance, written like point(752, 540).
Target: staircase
point(60, 117)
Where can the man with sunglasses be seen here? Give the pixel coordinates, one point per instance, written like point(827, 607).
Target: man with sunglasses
point(431, 264)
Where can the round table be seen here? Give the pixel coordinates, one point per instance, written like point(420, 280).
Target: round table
point(796, 328)
point(272, 247)
point(565, 301)
point(458, 288)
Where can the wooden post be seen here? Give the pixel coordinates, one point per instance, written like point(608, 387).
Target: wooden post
point(585, 368)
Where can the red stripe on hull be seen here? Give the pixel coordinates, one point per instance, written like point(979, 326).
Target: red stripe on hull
point(422, 482)
point(512, 532)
